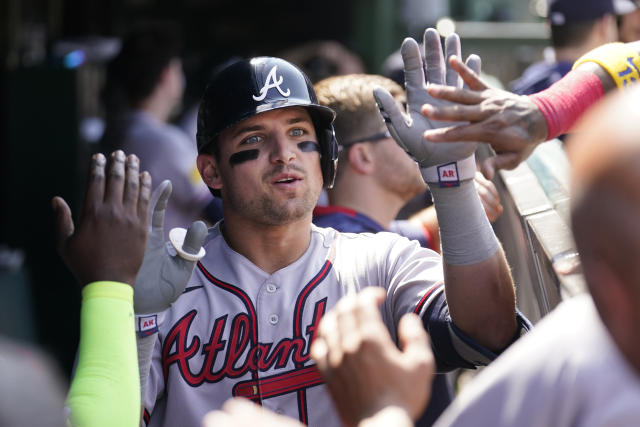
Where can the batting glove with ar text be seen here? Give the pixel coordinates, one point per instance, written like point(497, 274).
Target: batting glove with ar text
point(408, 128)
point(167, 266)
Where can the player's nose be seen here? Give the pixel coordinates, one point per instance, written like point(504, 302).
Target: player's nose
point(283, 149)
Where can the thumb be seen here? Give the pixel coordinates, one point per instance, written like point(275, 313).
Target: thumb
point(500, 161)
point(391, 113)
point(413, 338)
point(64, 222)
point(194, 238)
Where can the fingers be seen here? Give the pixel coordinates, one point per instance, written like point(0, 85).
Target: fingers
point(434, 57)
point(159, 199)
point(489, 197)
point(500, 161)
point(368, 301)
point(218, 419)
point(320, 353)
point(413, 68)
point(460, 96)
point(473, 62)
point(144, 196)
point(330, 333)
point(64, 222)
point(452, 48)
point(95, 187)
point(454, 113)
point(115, 180)
point(413, 338)
point(131, 184)
point(340, 328)
point(471, 132)
point(194, 239)
point(469, 75)
point(348, 325)
point(487, 186)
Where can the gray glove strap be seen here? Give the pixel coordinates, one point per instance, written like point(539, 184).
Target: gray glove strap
point(465, 231)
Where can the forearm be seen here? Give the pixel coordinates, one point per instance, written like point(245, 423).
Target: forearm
point(481, 301)
point(479, 289)
point(106, 390)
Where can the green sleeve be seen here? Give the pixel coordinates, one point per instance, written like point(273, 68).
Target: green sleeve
point(106, 388)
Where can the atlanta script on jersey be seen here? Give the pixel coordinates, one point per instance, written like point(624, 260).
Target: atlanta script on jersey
point(238, 331)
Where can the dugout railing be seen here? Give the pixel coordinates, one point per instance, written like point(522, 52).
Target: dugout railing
point(535, 230)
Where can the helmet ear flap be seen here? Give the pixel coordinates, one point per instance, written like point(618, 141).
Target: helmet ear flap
point(328, 156)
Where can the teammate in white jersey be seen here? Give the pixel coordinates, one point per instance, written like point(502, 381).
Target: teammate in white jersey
point(247, 317)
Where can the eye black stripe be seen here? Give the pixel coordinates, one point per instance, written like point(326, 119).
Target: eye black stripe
point(243, 156)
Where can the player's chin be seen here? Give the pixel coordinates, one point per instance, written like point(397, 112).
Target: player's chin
point(287, 215)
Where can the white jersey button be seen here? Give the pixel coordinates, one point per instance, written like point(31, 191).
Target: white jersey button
point(271, 288)
point(273, 319)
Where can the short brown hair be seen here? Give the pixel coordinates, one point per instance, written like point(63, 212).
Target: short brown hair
point(351, 97)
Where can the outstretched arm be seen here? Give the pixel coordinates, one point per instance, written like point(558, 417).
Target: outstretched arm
point(479, 288)
point(104, 253)
point(513, 124)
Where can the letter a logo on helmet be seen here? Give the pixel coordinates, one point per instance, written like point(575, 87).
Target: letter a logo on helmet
point(272, 82)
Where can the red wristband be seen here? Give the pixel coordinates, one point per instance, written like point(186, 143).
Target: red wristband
point(565, 101)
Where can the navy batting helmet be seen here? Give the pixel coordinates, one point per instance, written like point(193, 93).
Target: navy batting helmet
point(249, 87)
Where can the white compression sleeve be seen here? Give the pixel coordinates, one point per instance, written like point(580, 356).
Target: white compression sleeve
point(466, 234)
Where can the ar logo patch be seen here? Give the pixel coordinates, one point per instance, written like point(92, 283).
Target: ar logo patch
point(272, 82)
point(448, 175)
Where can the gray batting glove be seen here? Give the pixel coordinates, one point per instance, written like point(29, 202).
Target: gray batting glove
point(408, 128)
point(167, 266)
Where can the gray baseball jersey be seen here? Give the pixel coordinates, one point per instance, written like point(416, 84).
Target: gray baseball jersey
point(238, 331)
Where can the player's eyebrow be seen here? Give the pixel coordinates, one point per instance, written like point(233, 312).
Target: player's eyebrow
point(246, 129)
point(298, 120)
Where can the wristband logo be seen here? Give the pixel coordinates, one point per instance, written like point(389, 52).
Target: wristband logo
point(448, 175)
point(629, 74)
point(147, 325)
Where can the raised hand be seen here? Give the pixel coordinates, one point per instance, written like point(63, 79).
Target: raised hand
point(512, 124)
point(167, 267)
point(362, 367)
point(109, 242)
point(408, 127)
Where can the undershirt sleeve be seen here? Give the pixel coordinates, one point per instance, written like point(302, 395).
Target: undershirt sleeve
point(106, 388)
point(451, 347)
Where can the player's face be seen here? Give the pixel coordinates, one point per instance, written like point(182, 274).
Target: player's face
point(396, 171)
point(269, 167)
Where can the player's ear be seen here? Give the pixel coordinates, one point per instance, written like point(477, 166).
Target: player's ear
point(361, 158)
point(208, 168)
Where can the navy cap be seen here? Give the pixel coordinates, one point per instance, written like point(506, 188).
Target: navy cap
point(563, 12)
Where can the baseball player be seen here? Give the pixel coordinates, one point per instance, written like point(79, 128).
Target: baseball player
point(244, 324)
